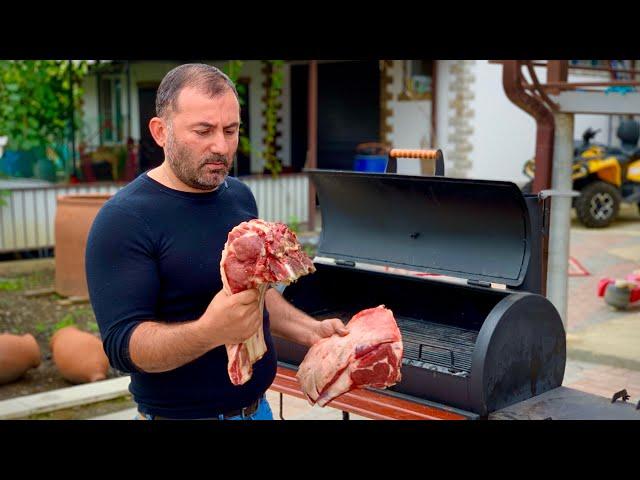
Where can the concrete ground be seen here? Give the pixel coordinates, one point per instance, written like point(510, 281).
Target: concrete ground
point(603, 344)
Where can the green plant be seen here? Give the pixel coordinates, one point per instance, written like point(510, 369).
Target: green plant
point(273, 91)
point(67, 320)
point(309, 250)
point(294, 224)
point(92, 327)
point(11, 284)
point(3, 193)
point(38, 101)
point(233, 68)
point(41, 327)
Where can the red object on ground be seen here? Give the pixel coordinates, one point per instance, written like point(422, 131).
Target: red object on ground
point(369, 356)
point(634, 277)
point(256, 254)
point(634, 293)
point(634, 296)
point(602, 285)
point(576, 269)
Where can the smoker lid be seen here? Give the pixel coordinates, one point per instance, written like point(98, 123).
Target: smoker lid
point(473, 229)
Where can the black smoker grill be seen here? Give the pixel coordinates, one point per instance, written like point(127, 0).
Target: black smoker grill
point(468, 344)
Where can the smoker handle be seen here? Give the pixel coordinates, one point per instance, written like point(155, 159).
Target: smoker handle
point(436, 155)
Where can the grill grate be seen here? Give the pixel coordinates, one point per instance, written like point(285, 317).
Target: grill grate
point(427, 342)
point(437, 344)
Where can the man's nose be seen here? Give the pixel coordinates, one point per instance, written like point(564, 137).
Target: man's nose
point(218, 143)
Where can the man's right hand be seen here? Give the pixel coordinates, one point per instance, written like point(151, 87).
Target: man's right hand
point(231, 319)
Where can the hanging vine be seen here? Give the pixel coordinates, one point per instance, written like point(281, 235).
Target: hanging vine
point(273, 70)
point(233, 68)
point(273, 73)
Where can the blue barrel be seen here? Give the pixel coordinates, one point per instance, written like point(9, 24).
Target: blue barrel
point(370, 163)
point(17, 163)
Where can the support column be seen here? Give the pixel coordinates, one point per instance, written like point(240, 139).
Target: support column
point(560, 222)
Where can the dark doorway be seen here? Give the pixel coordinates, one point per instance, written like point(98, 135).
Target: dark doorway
point(150, 153)
point(348, 111)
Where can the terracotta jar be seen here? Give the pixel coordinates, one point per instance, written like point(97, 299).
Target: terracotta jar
point(74, 217)
point(79, 355)
point(18, 353)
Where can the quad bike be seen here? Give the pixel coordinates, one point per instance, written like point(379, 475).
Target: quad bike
point(604, 175)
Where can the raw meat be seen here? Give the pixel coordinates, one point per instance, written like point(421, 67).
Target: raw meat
point(258, 253)
point(369, 356)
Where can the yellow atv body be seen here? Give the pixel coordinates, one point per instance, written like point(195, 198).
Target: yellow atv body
point(604, 182)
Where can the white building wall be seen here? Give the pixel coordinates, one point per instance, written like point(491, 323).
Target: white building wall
point(504, 136)
point(410, 122)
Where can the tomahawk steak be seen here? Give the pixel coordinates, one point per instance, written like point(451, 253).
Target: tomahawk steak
point(256, 254)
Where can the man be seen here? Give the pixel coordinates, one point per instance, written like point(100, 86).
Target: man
point(153, 265)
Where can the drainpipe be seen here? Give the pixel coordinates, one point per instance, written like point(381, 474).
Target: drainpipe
point(312, 142)
point(559, 236)
point(545, 124)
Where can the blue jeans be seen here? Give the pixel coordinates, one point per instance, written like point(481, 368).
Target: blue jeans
point(263, 412)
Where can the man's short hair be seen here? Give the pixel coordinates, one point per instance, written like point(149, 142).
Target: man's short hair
point(206, 78)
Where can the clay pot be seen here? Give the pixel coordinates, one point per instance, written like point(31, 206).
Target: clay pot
point(18, 353)
point(78, 355)
point(74, 217)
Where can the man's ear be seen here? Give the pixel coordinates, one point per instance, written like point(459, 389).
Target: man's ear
point(158, 129)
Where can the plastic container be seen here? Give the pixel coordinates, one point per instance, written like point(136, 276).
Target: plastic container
point(370, 163)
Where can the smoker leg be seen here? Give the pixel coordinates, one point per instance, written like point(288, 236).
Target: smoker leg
point(281, 400)
point(345, 415)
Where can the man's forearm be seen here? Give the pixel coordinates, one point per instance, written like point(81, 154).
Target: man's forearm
point(160, 347)
point(287, 321)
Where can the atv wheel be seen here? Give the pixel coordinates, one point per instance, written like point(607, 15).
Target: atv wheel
point(598, 204)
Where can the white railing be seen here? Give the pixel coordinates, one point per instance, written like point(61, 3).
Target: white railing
point(280, 199)
point(27, 220)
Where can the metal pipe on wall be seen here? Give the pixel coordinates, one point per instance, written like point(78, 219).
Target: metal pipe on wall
point(312, 143)
point(559, 236)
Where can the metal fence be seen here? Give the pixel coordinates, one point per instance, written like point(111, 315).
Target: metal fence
point(283, 198)
point(27, 219)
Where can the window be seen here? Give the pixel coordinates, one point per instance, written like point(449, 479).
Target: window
point(110, 110)
point(604, 65)
point(417, 80)
point(588, 63)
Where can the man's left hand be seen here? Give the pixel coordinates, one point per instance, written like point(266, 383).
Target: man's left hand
point(326, 328)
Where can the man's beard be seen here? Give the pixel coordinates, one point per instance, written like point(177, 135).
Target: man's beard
point(199, 174)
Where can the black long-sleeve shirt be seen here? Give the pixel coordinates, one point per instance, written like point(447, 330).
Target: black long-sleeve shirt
point(153, 253)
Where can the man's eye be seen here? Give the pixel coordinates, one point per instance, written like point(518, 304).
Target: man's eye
point(202, 133)
point(230, 132)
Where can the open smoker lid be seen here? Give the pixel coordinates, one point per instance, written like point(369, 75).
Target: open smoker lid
point(472, 229)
